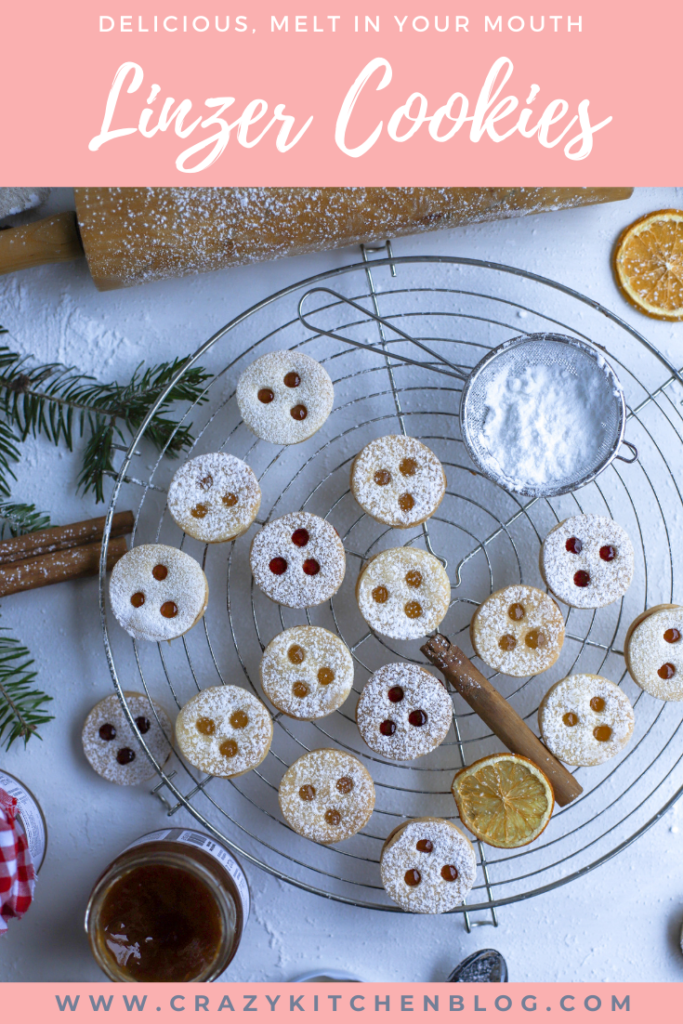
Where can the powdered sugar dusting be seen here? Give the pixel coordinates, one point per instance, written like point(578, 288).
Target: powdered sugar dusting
point(295, 587)
point(218, 704)
point(540, 615)
point(609, 580)
point(647, 651)
point(102, 753)
point(576, 744)
point(214, 497)
point(324, 770)
point(433, 894)
point(425, 484)
point(322, 651)
point(184, 585)
point(274, 420)
point(421, 692)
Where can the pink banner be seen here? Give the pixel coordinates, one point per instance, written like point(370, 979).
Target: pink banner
point(110, 93)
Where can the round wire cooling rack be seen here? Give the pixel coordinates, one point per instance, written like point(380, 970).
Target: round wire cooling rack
point(486, 537)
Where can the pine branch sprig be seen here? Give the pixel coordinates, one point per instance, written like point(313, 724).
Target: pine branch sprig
point(17, 518)
point(22, 708)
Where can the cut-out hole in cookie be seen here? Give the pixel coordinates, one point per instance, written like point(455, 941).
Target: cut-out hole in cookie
point(206, 726)
point(229, 499)
point(570, 719)
point(608, 552)
point(307, 792)
point(667, 671)
point(266, 396)
point(536, 639)
point(228, 748)
point(412, 877)
point(160, 572)
point(413, 609)
point(449, 873)
point(414, 578)
point(125, 755)
point(395, 694)
point(516, 612)
point(206, 482)
point(332, 816)
point(602, 733)
point(169, 609)
point(239, 719)
point(345, 784)
point(278, 566)
point(292, 379)
point(387, 727)
point(311, 567)
point(325, 676)
point(581, 578)
point(382, 477)
point(408, 466)
point(507, 642)
point(424, 845)
point(574, 546)
point(672, 636)
point(199, 511)
point(296, 654)
point(299, 412)
point(406, 502)
point(417, 717)
point(143, 724)
point(300, 689)
point(380, 595)
point(138, 599)
point(107, 732)
point(597, 704)
point(301, 537)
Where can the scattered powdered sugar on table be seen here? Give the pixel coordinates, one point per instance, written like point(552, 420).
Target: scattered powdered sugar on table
point(540, 422)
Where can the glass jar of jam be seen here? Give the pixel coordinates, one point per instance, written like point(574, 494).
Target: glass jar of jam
point(30, 817)
point(171, 907)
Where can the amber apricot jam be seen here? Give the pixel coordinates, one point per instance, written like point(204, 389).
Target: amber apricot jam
point(172, 907)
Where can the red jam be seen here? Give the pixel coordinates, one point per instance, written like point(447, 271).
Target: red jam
point(581, 578)
point(387, 727)
point(107, 732)
point(417, 717)
point(395, 694)
point(608, 553)
point(667, 671)
point(292, 379)
point(574, 545)
point(125, 755)
point(300, 538)
point(311, 567)
point(278, 566)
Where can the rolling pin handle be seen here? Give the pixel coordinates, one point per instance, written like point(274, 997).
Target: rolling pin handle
point(51, 240)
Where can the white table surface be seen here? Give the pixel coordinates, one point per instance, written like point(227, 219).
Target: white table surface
point(619, 923)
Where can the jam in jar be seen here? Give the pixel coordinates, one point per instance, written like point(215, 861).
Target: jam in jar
point(172, 907)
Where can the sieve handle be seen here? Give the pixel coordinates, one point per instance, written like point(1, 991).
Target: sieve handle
point(499, 715)
point(634, 453)
point(454, 371)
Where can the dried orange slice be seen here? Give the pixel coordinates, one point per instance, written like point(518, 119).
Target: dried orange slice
point(648, 264)
point(504, 799)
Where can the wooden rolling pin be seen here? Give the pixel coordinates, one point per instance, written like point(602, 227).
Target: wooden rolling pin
point(133, 235)
point(500, 716)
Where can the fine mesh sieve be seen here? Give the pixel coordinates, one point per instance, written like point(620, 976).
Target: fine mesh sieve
point(576, 358)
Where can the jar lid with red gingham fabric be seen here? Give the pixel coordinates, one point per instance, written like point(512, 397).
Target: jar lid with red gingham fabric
point(17, 874)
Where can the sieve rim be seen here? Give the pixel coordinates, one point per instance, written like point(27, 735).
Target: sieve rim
point(603, 365)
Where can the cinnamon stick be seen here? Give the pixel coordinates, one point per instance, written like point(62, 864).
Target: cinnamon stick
point(500, 716)
point(60, 538)
point(64, 564)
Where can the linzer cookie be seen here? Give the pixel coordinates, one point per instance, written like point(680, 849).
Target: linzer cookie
point(403, 712)
point(307, 672)
point(214, 497)
point(398, 481)
point(585, 719)
point(298, 560)
point(224, 731)
point(518, 631)
point(587, 561)
point(284, 397)
point(654, 652)
point(111, 746)
point(158, 592)
point(428, 866)
point(403, 593)
point(327, 795)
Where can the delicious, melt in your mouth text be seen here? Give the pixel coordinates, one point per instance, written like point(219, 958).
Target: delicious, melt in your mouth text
point(496, 116)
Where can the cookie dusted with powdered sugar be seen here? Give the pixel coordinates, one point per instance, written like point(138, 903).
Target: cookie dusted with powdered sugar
point(518, 631)
point(224, 731)
point(327, 795)
point(284, 397)
point(403, 711)
point(214, 497)
point(298, 560)
point(654, 651)
point(398, 481)
point(403, 593)
point(157, 592)
point(111, 746)
point(428, 866)
point(587, 561)
point(307, 672)
point(585, 720)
